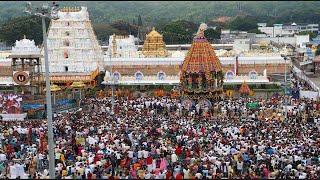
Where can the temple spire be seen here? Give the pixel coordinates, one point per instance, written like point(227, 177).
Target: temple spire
point(201, 30)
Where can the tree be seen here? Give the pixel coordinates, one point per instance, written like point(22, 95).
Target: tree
point(311, 34)
point(177, 32)
point(243, 23)
point(139, 21)
point(212, 34)
point(257, 31)
point(134, 22)
point(16, 28)
point(103, 31)
point(124, 28)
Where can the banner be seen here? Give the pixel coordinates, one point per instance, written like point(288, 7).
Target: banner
point(253, 105)
point(10, 103)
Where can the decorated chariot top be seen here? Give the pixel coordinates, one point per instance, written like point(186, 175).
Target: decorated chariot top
point(201, 56)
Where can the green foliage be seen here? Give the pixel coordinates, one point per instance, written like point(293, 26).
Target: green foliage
point(165, 15)
point(195, 11)
point(243, 23)
point(140, 20)
point(16, 28)
point(212, 34)
point(103, 31)
point(125, 28)
point(257, 31)
point(179, 32)
point(311, 34)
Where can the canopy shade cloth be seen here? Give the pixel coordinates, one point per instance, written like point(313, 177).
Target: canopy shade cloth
point(54, 88)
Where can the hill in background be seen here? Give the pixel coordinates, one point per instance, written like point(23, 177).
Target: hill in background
point(177, 21)
point(154, 11)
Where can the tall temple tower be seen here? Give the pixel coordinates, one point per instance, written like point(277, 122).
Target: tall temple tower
point(201, 75)
point(154, 46)
point(73, 46)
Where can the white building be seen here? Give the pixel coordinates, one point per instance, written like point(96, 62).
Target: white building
point(25, 47)
point(122, 46)
point(72, 44)
point(280, 30)
point(241, 45)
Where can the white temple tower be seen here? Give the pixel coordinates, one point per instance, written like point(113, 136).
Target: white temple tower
point(122, 46)
point(73, 48)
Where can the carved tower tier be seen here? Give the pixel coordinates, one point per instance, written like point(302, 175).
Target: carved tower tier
point(201, 75)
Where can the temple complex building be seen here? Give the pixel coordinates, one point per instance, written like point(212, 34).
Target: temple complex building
point(154, 45)
point(22, 67)
point(254, 68)
point(122, 46)
point(73, 50)
point(75, 55)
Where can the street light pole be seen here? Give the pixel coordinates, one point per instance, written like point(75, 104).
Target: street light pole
point(285, 89)
point(112, 83)
point(51, 13)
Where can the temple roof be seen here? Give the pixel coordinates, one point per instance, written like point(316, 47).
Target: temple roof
point(201, 56)
point(154, 46)
point(78, 84)
point(154, 33)
point(54, 88)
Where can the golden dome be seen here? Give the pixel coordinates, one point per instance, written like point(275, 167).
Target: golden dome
point(154, 33)
point(154, 46)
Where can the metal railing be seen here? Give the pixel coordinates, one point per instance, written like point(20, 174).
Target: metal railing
point(300, 74)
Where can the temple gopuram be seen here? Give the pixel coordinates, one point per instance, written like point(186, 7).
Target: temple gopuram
point(201, 75)
point(73, 49)
point(154, 46)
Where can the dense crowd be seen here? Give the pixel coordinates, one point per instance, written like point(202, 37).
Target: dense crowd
point(158, 138)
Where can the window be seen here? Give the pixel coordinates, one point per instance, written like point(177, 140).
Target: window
point(116, 76)
point(68, 23)
point(253, 75)
point(138, 76)
point(161, 75)
point(229, 75)
point(66, 68)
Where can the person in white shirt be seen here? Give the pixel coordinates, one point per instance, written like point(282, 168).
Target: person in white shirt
point(145, 154)
point(174, 158)
point(139, 154)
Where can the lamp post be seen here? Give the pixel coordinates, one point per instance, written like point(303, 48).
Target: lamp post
point(285, 87)
point(52, 13)
point(111, 83)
